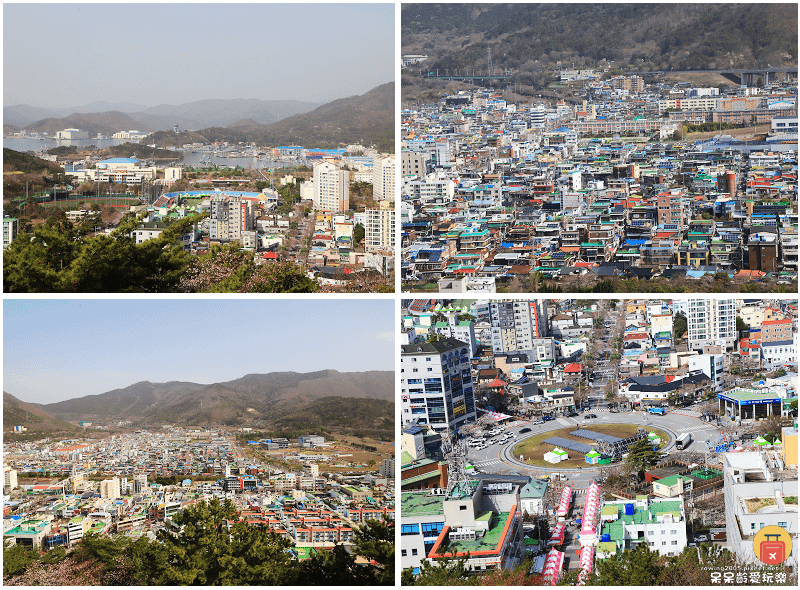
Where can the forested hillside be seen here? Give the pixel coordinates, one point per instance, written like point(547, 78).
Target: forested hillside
point(527, 37)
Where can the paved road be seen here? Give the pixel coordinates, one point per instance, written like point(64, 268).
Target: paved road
point(499, 459)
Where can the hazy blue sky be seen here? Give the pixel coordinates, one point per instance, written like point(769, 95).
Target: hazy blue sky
point(59, 349)
point(62, 55)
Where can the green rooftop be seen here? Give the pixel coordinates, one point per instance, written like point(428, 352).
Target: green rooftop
point(535, 488)
point(405, 458)
point(486, 543)
point(418, 478)
point(642, 516)
point(609, 510)
point(421, 504)
point(672, 480)
point(607, 547)
point(743, 395)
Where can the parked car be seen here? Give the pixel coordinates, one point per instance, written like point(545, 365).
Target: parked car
point(701, 538)
point(572, 414)
point(547, 418)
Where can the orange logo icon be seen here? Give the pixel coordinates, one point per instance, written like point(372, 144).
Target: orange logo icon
point(772, 545)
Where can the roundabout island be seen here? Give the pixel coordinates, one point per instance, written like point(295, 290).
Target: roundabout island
point(524, 453)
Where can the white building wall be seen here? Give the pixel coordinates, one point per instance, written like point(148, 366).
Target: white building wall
point(383, 179)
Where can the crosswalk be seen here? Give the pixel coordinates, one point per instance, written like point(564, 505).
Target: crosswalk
point(565, 422)
point(488, 463)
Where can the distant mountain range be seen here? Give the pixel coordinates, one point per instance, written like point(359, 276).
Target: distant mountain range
point(193, 115)
point(339, 401)
point(367, 119)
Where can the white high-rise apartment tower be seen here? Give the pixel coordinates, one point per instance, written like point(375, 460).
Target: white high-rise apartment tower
point(436, 384)
point(383, 179)
point(711, 321)
point(331, 188)
point(379, 231)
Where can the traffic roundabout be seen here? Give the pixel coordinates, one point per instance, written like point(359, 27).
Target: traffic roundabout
point(504, 458)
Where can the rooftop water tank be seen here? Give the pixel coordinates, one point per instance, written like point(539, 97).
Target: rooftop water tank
point(629, 509)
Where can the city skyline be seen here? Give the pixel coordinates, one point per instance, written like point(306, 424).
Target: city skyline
point(60, 349)
point(314, 63)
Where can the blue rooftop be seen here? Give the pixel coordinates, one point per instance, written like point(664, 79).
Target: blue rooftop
point(119, 161)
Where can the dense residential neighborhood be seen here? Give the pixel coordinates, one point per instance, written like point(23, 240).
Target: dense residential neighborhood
point(565, 433)
point(59, 491)
point(500, 196)
point(303, 214)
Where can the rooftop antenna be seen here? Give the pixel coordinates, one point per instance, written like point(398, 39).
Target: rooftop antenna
point(453, 451)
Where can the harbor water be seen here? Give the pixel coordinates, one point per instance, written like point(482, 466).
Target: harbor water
point(25, 144)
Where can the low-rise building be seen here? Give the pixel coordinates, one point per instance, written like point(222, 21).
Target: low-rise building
point(658, 524)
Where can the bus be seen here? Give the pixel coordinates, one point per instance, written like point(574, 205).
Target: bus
point(684, 440)
point(659, 411)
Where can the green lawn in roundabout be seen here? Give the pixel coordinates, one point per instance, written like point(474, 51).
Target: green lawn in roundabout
point(533, 448)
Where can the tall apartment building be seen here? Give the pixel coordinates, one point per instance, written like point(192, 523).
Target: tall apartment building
point(10, 230)
point(629, 83)
point(9, 478)
point(516, 323)
point(379, 231)
point(414, 163)
point(230, 218)
point(139, 482)
point(711, 321)
point(670, 207)
point(383, 179)
point(331, 188)
point(436, 384)
point(438, 149)
point(109, 488)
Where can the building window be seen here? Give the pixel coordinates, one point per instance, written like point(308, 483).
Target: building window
point(413, 552)
point(403, 552)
